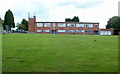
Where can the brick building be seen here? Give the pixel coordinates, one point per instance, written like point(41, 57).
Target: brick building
point(88, 28)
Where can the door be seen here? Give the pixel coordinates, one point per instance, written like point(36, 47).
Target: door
point(95, 33)
point(54, 32)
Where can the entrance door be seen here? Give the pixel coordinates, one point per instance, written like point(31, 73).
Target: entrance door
point(54, 32)
point(95, 33)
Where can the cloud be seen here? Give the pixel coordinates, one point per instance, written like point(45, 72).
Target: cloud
point(58, 10)
point(80, 5)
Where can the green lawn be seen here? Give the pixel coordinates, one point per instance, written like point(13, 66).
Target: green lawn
point(60, 53)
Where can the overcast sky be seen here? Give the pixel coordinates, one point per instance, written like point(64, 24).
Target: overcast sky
point(57, 10)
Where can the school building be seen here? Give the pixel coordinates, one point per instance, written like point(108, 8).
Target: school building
point(83, 28)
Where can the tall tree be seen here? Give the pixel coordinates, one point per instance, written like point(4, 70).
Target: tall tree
point(9, 20)
point(68, 20)
point(1, 21)
point(23, 25)
point(74, 19)
point(114, 23)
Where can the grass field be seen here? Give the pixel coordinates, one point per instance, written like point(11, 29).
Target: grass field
point(60, 53)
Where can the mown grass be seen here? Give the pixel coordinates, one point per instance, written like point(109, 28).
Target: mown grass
point(59, 53)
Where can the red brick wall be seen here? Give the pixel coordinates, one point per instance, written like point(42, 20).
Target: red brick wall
point(33, 27)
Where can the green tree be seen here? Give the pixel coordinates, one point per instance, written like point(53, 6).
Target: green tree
point(75, 19)
point(1, 22)
point(9, 20)
point(23, 25)
point(68, 20)
point(114, 23)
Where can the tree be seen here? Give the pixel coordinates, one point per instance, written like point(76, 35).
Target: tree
point(1, 21)
point(9, 20)
point(75, 19)
point(68, 20)
point(23, 25)
point(114, 23)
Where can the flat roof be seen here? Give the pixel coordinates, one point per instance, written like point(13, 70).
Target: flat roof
point(71, 22)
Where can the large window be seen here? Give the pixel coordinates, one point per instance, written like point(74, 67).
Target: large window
point(89, 25)
point(79, 25)
point(88, 31)
point(96, 26)
point(54, 24)
point(39, 24)
point(71, 31)
point(105, 32)
point(61, 30)
point(46, 30)
point(46, 24)
point(80, 31)
point(39, 30)
point(61, 25)
point(71, 25)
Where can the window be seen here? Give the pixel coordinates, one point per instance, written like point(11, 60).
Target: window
point(71, 31)
point(79, 25)
point(61, 30)
point(39, 30)
point(39, 24)
point(109, 33)
point(88, 31)
point(96, 25)
point(106, 33)
point(81, 31)
point(46, 30)
point(54, 25)
point(89, 25)
point(61, 25)
point(71, 25)
point(46, 24)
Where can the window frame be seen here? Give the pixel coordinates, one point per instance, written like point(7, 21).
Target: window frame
point(45, 24)
point(82, 31)
point(89, 25)
point(82, 25)
point(61, 30)
point(70, 24)
point(38, 24)
point(39, 30)
point(70, 30)
point(46, 30)
point(62, 24)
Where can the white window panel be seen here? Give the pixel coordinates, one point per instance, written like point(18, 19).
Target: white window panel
point(71, 30)
point(102, 33)
point(54, 24)
point(61, 30)
point(96, 25)
point(39, 24)
point(81, 31)
point(79, 25)
point(61, 25)
point(46, 30)
point(109, 33)
point(47, 24)
point(89, 25)
point(106, 32)
point(71, 25)
point(39, 30)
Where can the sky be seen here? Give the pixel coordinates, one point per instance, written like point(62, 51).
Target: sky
point(57, 10)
